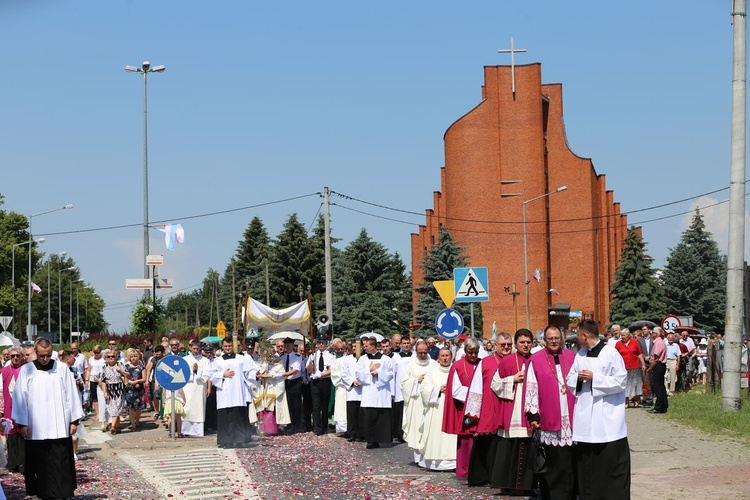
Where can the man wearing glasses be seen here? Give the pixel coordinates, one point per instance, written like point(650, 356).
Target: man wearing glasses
point(549, 407)
point(8, 376)
point(511, 470)
point(483, 407)
point(47, 409)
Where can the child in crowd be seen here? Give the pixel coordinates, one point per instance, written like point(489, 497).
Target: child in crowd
point(179, 409)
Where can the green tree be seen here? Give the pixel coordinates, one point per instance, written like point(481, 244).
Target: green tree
point(695, 278)
point(291, 264)
point(253, 252)
point(636, 294)
point(367, 282)
point(438, 265)
point(147, 319)
point(318, 269)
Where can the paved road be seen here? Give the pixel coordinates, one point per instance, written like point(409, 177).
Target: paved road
point(668, 461)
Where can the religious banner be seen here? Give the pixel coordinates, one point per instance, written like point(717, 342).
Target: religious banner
point(294, 317)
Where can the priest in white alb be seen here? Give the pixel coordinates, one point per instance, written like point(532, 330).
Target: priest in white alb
point(600, 435)
point(232, 375)
point(47, 409)
point(196, 391)
point(413, 374)
point(337, 370)
point(437, 450)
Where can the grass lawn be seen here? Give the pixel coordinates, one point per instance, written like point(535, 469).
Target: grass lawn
point(703, 411)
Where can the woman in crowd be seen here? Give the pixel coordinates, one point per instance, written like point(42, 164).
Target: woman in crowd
point(114, 390)
point(635, 365)
point(134, 383)
point(701, 355)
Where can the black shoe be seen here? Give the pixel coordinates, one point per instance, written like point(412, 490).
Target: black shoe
point(351, 439)
point(657, 411)
point(371, 446)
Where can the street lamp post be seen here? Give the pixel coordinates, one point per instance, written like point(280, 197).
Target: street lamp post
point(49, 308)
point(145, 69)
point(13, 272)
point(525, 252)
point(28, 299)
point(78, 311)
point(59, 300)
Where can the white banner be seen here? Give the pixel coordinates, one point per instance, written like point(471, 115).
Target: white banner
point(295, 317)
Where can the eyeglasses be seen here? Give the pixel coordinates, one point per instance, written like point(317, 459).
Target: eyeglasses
point(43, 355)
point(112, 343)
point(109, 356)
point(174, 345)
point(16, 355)
point(503, 344)
point(472, 352)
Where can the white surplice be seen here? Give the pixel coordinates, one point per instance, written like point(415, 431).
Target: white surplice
point(376, 390)
point(233, 392)
point(195, 395)
point(599, 414)
point(46, 401)
point(436, 448)
point(348, 376)
point(339, 405)
point(413, 405)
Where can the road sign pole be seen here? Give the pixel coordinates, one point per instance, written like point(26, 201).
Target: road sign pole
point(172, 423)
point(471, 308)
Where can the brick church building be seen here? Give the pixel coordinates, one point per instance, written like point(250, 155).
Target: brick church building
point(505, 152)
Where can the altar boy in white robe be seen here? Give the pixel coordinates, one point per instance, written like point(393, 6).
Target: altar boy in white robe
point(600, 451)
point(437, 450)
point(231, 376)
point(47, 409)
point(337, 369)
point(196, 391)
point(374, 373)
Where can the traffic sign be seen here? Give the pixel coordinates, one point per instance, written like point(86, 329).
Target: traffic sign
point(471, 284)
point(669, 323)
point(5, 321)
point(449, 323)
point(154, 260)
point(221, 329)
point(147, 283)
point(172, 372)
point(446, 290)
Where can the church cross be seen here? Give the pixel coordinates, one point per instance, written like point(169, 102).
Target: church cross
point(512, 52)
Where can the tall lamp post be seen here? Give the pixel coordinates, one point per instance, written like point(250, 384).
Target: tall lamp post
point(525, 252)
point(13, 271)
point(28, 312)
point(144, 70)
point(78, 311)
point(49, 308)
point(59, 299)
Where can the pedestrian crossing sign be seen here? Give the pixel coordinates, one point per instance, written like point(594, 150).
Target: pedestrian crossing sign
point(471, 284)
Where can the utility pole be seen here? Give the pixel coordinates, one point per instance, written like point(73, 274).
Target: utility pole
point(329, 281)
point(730, 388)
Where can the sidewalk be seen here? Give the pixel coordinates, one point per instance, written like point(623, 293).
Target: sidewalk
point(670, 461)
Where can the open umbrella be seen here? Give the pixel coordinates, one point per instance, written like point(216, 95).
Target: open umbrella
point(285, 335)
point(377, 336)
point(690, 329)
point(212, 340)
point(6, 340)
point(637, 325)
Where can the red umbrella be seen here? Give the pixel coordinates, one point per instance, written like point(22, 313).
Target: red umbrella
point(690, 329)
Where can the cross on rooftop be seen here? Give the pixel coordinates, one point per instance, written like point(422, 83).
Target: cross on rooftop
point(512, 52)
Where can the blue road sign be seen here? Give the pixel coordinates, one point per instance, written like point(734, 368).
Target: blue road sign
point(172, 372)
point(449, 323)
point(471, 284)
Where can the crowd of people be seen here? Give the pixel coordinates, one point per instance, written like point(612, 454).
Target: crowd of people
point(524, 415)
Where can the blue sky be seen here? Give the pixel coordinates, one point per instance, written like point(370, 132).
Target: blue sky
point(263, 101)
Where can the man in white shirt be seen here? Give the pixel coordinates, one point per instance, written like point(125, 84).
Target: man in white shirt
point(601, 451)
point(293, 367)
point(319, 371)
point(374, 373)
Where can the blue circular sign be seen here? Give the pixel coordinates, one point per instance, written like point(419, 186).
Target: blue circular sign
point(449, 324)
point(172, 372)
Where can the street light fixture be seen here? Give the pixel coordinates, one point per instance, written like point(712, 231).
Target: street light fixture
point(28, 305)
point(78, 311)
point(13, 270)
point(59, 299)
point(49, 309)
point(145, 69)
point(525, 252)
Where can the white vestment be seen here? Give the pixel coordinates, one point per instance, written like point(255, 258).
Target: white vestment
point(398, 369)
point(195, 396)
point(348, 376)
point(413, 405)
point(272, 393)
point(231, 392)
point(436, 448)
point(376, 390)
point(599, 414)
point(339, 405)
point(46, 401)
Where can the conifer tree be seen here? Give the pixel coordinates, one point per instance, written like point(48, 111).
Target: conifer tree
point(292, 264)
point(250, 259)
point(636, 294)
point(695, 278)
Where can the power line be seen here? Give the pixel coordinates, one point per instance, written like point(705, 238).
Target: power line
point(197, 216)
